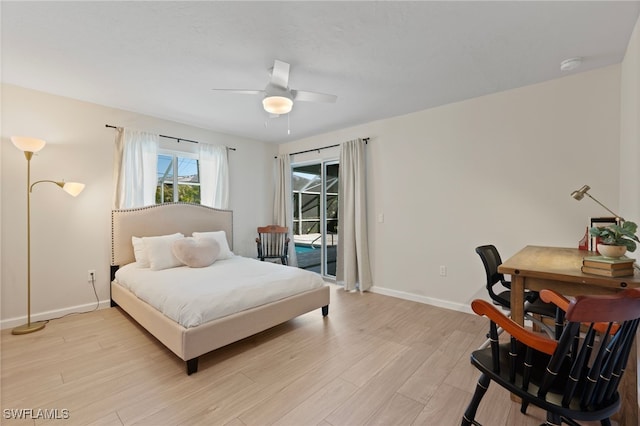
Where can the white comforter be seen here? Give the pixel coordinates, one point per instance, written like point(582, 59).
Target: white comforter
point(193, 296)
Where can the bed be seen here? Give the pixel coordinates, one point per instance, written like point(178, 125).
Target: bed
point(206, 333)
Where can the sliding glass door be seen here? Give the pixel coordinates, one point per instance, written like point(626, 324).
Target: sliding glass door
point(315, 216)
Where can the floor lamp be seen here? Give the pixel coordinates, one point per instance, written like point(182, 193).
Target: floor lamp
point(30, 146)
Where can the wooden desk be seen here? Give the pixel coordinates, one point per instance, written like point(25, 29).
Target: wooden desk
point(558, 269)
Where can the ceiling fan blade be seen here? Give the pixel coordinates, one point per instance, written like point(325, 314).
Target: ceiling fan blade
point(240, 91)
point(280, 74)
point(301, 95)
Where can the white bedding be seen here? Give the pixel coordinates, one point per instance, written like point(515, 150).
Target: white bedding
point(192, 296)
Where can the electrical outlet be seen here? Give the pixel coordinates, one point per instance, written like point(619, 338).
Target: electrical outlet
point(91, 276)
point(443, 271)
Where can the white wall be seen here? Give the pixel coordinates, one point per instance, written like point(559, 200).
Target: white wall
point(72, 235)
point(630, 131)
point(496, 169)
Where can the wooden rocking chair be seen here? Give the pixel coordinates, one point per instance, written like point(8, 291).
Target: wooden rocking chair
point(273, 243)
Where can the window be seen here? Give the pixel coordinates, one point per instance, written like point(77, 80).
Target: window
point(177, 170)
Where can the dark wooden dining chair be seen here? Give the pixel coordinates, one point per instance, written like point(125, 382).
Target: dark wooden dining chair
point(273, 243)
point(499, 291)
point(574, 378)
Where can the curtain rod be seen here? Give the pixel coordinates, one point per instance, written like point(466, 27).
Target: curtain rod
point(366, 140)
point(169, 137)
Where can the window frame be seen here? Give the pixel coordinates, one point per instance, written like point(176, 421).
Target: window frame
point(175, 156)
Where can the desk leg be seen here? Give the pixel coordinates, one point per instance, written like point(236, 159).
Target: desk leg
point(517, 308)
point(517, 299)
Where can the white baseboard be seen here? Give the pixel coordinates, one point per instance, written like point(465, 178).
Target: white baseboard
point(52, 315)
point(460, 307)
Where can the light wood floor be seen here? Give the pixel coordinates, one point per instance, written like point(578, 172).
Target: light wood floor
point(373, 360)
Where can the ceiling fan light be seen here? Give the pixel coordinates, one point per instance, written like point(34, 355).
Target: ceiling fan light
point(277, 104)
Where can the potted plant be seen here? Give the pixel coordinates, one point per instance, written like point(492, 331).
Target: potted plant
point(615, 240)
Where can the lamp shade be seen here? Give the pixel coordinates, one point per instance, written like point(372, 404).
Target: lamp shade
point(73, 188)
point(27, 144)
point(277, 104)
point(579, 194)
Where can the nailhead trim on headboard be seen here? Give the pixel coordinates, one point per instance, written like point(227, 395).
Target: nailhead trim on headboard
point(144, 221)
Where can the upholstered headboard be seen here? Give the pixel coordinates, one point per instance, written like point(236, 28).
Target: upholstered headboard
point(163, 219)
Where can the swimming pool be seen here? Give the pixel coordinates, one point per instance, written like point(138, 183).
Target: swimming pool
point(304, 249)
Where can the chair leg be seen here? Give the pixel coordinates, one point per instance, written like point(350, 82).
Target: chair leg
point(569, 421)
point(553, 419)
point(481, 389)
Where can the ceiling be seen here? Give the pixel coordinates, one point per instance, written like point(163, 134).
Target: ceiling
point(382, 59)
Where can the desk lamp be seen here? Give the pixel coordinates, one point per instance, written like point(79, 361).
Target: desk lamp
point(30, 146)
point(580, 193)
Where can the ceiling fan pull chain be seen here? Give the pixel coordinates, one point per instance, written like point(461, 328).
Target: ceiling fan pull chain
point(288, 125)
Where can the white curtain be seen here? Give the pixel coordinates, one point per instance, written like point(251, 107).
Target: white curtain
point(282, 203)
point(353, 269)
point(135, 168)
point(214, 176)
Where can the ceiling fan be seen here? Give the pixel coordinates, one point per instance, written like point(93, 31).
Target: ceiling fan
point(278, 97)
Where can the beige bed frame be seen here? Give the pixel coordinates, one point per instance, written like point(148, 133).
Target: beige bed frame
point(190, 343)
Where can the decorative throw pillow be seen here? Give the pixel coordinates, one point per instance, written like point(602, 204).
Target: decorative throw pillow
point(140, 252)
point(221, 238)
point(196, 253)
point(160, 253)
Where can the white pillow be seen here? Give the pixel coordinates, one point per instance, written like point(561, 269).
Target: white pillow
point(196, 253)
point(221, 238)
point(140, 252)
point(160, 253)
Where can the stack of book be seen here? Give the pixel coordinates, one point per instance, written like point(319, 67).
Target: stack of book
point(599, 265)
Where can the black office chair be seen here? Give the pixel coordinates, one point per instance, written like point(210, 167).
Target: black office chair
point(502, 297)
point(574, 378)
